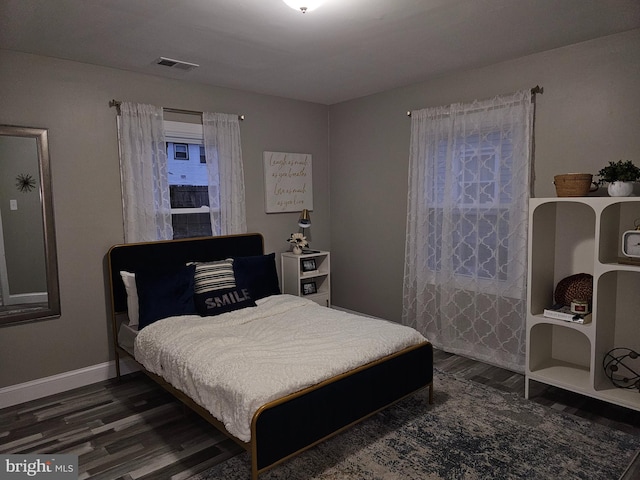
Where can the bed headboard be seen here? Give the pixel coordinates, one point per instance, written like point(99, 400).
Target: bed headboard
point(169, 253)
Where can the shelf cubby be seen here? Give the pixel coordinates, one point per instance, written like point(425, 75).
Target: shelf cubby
point(562, 234)
point(561, 346)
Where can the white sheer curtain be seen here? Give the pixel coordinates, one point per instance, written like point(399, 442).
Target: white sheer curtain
point(223, 153)
point(143, 163)
point(466, 245)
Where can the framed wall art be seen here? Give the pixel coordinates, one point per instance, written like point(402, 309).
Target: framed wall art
point(287, 182)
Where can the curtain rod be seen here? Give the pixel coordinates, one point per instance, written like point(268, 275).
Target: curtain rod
point(117, 103)
point(534, 90)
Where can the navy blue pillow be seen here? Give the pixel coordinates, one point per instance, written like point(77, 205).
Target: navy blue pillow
point(222, 300)
point(257, 274)
point(165, 294)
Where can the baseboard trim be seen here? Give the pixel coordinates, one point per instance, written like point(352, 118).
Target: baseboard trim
point(43, 387)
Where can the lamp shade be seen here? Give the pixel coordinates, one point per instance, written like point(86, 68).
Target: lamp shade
point(303, 5)
point(305, 219)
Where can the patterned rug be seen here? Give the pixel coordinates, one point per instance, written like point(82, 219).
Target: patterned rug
point(471, 432)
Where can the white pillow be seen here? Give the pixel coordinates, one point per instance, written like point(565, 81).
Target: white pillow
point(133, 310)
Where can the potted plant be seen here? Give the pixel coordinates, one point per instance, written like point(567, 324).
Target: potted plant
point(299, 241)
point(620, 176)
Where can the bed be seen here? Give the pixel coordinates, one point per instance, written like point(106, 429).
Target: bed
point(287, 423)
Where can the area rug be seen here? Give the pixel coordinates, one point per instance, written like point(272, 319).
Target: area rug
point(470, 432)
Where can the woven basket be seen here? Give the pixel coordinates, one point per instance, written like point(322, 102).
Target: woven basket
point(574, 287)
point(573, 184)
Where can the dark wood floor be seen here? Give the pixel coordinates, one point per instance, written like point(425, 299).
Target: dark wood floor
point(132, 429)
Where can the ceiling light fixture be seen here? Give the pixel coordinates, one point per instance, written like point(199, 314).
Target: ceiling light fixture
point(303, 6)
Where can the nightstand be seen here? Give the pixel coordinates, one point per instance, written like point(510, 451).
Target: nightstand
point(307, 275)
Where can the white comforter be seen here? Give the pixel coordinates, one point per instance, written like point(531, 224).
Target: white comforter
point(234, 363)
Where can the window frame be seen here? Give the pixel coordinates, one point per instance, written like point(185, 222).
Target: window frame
point(187, 133)
point(180, 151)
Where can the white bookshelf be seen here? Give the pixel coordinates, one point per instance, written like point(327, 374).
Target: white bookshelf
point(572, 235)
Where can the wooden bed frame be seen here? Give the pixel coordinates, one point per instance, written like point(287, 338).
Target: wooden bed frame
point(324, 409)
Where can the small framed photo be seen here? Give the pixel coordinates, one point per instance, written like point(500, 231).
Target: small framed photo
point(309, 265)
point(309, 288)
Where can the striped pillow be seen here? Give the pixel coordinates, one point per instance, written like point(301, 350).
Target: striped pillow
point(212, 276)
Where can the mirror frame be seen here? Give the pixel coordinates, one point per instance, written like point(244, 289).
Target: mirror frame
point(52, 310)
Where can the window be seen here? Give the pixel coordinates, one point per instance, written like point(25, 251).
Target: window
point(466, 245)
point(180, 151)
point(188, 180)
point(481, 198)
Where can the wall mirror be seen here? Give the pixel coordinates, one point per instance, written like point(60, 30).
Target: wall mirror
point(28, 264)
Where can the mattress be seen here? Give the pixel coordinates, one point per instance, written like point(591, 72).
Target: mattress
point(127, 337)
point(234, 363)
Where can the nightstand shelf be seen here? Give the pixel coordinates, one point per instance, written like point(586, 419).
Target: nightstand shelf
point(307, 275)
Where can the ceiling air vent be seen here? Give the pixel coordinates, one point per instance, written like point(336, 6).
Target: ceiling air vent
point(176, 64)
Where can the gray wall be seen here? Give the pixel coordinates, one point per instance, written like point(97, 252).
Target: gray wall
point(588, 115)
point(71, 100)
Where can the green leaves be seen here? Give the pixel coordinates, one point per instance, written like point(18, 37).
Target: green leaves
point(620, 171)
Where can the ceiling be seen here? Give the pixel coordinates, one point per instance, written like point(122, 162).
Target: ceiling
point(343, 50)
